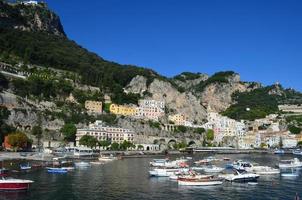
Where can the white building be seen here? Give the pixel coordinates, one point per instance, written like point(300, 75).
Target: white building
point(30, 2)
point(101, 132)
point(151, 103)
point(149, 147)
point(150, 109)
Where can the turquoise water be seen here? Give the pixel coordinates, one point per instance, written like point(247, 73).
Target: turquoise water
point(128, 179)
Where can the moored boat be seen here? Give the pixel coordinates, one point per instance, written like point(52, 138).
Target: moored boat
point(199, 180)
point(25, 166)
point(213, 169)
point(107, 158)
point(14, 184)
point(279, 151)
point(57, 170)
point(294, 163)
point(297, 152)
point(241, 177)
point(82, 164)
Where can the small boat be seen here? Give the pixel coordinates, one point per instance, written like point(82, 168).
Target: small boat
point(163, 172)
point(97, 163)
point(229, 166)
point(297, 152)
point(14, 184)
point(68, 168)
point(226, 159)
point(241, 177)
point(25, 166)
point(82, 164)
point(294, 163)
point(279, 151)
point(107, 158)
point(198, 168)
point(189, 158)
point(213, 169)
point(252, 183)
point(199, 180)
point(56, 170)
point(264, 170)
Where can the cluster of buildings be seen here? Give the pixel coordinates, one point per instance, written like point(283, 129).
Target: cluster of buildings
point(147, 109)
point(102, 132)
point(224, 127)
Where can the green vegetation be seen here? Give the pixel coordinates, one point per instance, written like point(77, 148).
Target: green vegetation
point(42, 88)
point(210, 135)
point(69, 132)
point(219, 77)
point(180, 145)
point(3, 82)
point(60, 53)
point(199, 131)
point(4, 128)
point(154, 124)
point(18, 140)
point(294, 129)
point(187, 76)
point(88, 140)
point(38, 133)
point(259, 102)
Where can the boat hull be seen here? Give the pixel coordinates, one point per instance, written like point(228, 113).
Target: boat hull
point(199, 183)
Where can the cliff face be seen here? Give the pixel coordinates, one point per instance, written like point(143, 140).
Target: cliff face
point(176, 102)
point(217, 96)
point(35, 18)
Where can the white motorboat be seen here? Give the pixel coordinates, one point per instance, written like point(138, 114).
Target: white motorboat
point(107, 158)
point(263, 170)
point(241, 177)
point(158, 162)
point(294, 163)
point(163, 172)
point(82, 164)
point(96, 163)
point(199, 168)
point(297, 152)
point(213, 169)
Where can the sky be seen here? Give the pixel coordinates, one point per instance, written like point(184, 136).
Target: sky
point(259, 39)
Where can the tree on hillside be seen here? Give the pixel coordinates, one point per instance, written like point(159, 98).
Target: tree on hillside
point(69, 132)
point(37, 132)
point(114, 146)
point(140, 147)
point(104, 143)
point(3, 82)
point(210, 134)
point(18, 140)
point(88, 140)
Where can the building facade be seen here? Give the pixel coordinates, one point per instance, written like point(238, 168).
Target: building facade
point(123, 110)
point(102, 132)
point(94, 106)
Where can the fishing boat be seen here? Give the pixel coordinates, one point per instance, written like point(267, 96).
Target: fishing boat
point(25, 166)
point(279, 151)
point(294, 163)
point(241, 177)
point(14, 184)
point(199, 182)
point(297, 152)
point(213, 169)
point(195, 179)
point(57, 170)
point(68, 168)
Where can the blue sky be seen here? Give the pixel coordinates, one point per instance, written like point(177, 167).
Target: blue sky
point(260, 39)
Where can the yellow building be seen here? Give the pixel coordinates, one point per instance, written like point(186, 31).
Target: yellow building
point(94, 106)
point(122, 110)
point(178, 119)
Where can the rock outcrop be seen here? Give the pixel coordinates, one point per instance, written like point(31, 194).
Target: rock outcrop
point(35, 18)
point(176, 102)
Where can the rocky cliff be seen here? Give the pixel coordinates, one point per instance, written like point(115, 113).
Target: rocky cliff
point(176, 101)
point(30, 18)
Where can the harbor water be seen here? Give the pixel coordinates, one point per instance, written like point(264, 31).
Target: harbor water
point(129, 179)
